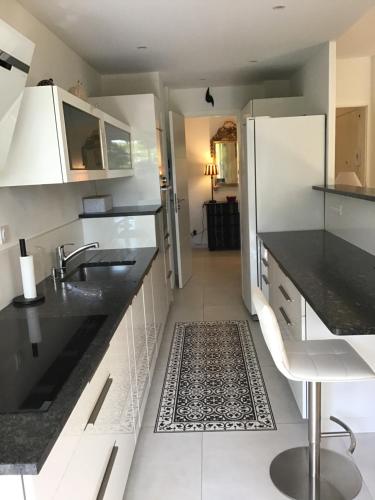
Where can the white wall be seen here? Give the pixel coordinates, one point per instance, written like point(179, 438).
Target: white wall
point(316, 81)
point(352, 219)
point(228, 100)
point(198, 131)
point(354, 88)
point(42, 210)
point(134, 83)
point(52, 57)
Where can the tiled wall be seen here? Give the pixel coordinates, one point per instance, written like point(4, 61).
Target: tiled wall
point(42, 247)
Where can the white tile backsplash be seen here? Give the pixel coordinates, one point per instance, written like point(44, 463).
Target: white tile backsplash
point(42, 247)
point(351, 219)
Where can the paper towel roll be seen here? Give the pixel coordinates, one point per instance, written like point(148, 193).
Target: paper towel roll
point(28, 277)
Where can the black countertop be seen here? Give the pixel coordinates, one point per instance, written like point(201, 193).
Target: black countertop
point(335, 277)
point(124, 211)
point(359, 192)
point(27, 438)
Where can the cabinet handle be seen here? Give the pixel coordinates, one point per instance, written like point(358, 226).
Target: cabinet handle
point(285, 294)
point(107, 473)
point(285, 316)
point(166, 236)
point(99, 403)
point(265, 279)
point(265, 262)
point(167, 247)
point(169, 275)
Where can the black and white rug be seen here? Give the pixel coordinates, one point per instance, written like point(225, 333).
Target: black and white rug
point(213, 381)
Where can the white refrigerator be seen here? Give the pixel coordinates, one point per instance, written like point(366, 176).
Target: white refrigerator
point(282, 159)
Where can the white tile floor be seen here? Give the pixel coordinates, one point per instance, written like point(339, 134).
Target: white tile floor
point(223, 465)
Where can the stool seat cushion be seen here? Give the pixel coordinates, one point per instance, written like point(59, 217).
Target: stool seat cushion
point(326, 361)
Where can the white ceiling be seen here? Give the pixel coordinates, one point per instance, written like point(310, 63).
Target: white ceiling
point(359, 40)
point(189, 40)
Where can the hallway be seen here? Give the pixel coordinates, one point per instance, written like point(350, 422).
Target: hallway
point(219, 465)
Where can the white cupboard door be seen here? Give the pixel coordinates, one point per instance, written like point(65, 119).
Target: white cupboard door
point(180, 197)
point(150, 320)
point(140, 351)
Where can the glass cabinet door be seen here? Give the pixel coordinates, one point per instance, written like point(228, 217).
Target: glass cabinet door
point(83, 139)
point(118, 148)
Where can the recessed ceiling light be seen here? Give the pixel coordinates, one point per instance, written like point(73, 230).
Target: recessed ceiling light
point(142, 47)
point(202, 79)
point(253, 61)
point(278, 7)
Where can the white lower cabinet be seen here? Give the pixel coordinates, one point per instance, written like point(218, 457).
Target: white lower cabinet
point(289, 307)
point(298, 321)
point(92, 456)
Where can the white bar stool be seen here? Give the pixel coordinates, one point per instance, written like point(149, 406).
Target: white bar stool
point(312, 472)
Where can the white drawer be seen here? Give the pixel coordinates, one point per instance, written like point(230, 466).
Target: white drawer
point(43, 485)
point(81, 413)
point(85, 472)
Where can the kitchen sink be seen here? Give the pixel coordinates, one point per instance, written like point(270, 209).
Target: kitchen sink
point(100, 271)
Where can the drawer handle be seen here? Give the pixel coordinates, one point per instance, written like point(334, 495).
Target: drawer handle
point(99, 403)
point(285, 294)
point(169, 275)
point(166, 236)
point(107, 473)
point(265, 262)
point(285, 316)
point(265, 279)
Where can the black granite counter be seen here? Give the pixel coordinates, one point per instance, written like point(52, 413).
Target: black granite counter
point(335, 277)
point(124, 211)
point(359, 192)
point(27, 438)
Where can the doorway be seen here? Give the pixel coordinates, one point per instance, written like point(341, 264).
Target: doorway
point(351, 157)
point(203, 149)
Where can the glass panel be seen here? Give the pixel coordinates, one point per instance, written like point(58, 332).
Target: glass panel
point(118, 148)
point(83, 138)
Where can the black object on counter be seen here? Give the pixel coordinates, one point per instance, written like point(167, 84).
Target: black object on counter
point(223, 226)
point(23, 248)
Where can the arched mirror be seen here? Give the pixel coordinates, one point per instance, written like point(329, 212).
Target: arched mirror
point(224, 154)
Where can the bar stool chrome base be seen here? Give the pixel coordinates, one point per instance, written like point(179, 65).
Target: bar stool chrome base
point(339, 480)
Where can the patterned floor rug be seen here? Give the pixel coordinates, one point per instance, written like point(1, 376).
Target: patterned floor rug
point(213, 381)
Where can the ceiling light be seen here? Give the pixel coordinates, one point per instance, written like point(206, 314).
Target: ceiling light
point(278, 7)
point(142, 47)
point(202, 79)
point(253, 61)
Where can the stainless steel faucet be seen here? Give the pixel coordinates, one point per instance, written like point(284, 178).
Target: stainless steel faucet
point(63, 258)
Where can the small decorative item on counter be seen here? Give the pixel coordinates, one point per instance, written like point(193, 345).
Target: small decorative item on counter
point(231, 199)
point(30, 296)
point(45, 83)
point(79, 90)
point(97, 204)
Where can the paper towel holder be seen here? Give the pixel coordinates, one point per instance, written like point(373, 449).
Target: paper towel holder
point(21, 300)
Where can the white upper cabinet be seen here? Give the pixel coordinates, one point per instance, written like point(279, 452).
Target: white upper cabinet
point(61, 138)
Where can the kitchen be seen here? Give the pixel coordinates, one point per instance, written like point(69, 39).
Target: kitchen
point(109, 400)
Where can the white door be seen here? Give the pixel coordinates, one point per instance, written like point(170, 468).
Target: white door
point(180, 198)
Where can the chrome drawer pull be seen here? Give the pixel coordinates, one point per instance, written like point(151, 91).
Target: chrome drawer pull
point(107, 473)
point(285, 294)
point(265, 262)
point(265, 279)
point(285, 316)
point(99, 403)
